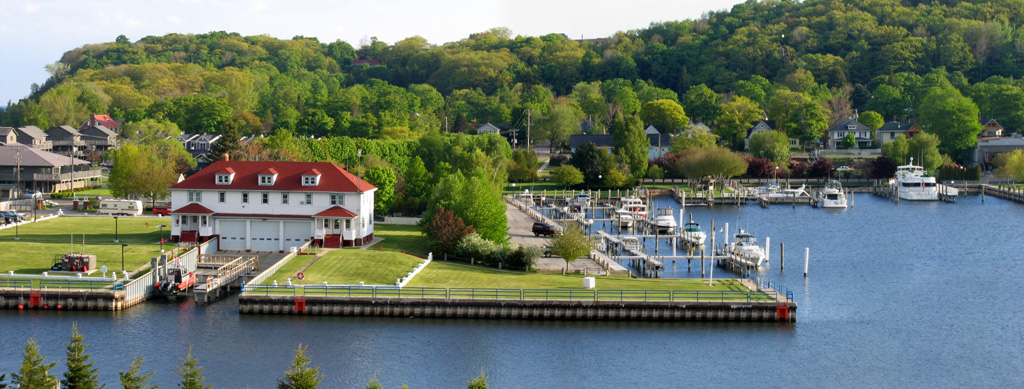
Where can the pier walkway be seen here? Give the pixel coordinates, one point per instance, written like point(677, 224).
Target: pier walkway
point(217, 272)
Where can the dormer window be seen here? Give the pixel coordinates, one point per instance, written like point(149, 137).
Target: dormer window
point(851, 126)
point(311, 178)
point(268, 177)
point(225, 176)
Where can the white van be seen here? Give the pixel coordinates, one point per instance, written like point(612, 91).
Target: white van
point(120, 207)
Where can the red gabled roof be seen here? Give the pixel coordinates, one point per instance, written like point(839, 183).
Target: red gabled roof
point(192, 208)
point(226, 170)
point(106, 121)
point(267, 171)
point(336, 211)
point(312, 172)
point(289, 177)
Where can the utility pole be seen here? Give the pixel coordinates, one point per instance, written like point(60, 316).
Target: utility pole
point(18, 184)
point(528, 144)
point(445, 123)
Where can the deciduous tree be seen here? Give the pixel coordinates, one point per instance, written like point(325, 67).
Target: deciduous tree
point(737, 117)
point(1010, 165)
point(446, 229)
point(667, 115)
point(773, 145)
point(871, 119)
point(571, 244)
point(701, 104)
point(953, 118)
point(715, 161)
point(631, 144)
point(384, 179)
point(567, 175)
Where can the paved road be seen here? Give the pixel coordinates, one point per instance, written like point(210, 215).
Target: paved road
point(519, 226)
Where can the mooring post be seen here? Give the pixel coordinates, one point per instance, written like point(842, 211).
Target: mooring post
point(767, 249)
point(782, 255)
point(807, 258)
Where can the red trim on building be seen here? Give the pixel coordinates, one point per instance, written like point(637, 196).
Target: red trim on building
point(193, 208)
point(289, 177)
point(336, 211)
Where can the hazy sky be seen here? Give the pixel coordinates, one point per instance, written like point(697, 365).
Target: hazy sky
point(37, 32)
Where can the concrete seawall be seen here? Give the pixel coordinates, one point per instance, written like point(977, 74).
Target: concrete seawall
point(521, 309)
point(79, 300)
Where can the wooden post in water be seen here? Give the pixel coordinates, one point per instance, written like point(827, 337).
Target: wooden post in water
point(782, 255)
point(767, 249)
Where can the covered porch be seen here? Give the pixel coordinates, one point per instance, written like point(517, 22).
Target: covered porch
point(192, 223)
point(338, 227)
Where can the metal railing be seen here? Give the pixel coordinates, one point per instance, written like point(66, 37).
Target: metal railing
point(507, 294)
point(16, 284)
point(82, 284)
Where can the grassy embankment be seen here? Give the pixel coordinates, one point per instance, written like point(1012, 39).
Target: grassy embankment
point(41, 241)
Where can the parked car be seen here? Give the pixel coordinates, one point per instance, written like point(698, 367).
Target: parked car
point(11, 217)
point(33, 194)
point(543, 229)
point(844, 168)
point(162, 211)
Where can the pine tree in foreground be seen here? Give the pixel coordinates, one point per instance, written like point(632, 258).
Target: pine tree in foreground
point(480, 382)
point(80, 373)
point(2, 378)
point(34, 371)
point(374, 383)
point(131, 379)
point(191, 374)
point(300, 375)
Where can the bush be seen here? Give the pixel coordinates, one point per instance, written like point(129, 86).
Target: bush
point(487, 253)
point(558, 160)
point(476, 247)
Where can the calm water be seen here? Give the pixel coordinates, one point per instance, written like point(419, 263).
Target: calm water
point(909, 295)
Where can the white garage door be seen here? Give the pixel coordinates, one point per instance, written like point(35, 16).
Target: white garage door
point(232, 234)
point(297, 233)
point(265, 236)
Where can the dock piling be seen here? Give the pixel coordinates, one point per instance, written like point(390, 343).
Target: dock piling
point(782, 255)
point(807, 258)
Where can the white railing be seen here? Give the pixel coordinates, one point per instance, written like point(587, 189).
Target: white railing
point(273, 269)
point(408, 277)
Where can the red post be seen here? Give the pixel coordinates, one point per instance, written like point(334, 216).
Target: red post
point(782, 312)
point(300, 305)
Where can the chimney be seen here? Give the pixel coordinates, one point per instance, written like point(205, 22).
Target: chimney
point(227, 157)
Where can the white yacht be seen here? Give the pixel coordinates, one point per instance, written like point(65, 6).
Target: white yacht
point(581, 199)
point(914, 183)
point(624, 217)
point(746, 247)
point(692, 233)
point(665, 220)
point(832, 196)
point(635, 206)
point(790, 194)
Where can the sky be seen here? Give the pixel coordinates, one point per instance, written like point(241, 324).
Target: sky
point(34, 33)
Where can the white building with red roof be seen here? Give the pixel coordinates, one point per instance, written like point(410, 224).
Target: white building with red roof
point(272, 206)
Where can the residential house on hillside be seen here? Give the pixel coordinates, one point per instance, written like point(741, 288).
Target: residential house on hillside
point(990, 128)
point(652, 130)
point(837, 133)
point(660, 143)
point(272, 206)
point(890, 130)
point(8, 136)
point(756, 127)
point(42, 170)
point(986, 149)
point(33, 137)
point(488, 128)
point(102, 120)
point(199, 145)
point(66, 139)
point(99, 138)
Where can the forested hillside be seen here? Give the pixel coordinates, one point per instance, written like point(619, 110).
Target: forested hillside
point(803, 64)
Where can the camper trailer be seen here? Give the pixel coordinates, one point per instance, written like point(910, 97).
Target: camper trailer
point(120, 207)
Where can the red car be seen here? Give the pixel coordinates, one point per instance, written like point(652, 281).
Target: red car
point(162, 211)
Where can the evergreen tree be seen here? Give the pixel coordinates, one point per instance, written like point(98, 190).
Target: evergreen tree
point(191, 374)
point(34, 371)
point(3, 376)
point(80, 373)
point(480, 382)
point(228, 142)
point(131, 379)
point(300, 375)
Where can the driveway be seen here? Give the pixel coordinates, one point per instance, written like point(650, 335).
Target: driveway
point(519, 226)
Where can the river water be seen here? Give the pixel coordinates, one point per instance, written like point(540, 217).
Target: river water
point(908, 295)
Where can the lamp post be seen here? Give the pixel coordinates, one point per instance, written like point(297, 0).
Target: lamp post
point(776, 173)
point(115, 230)
point(162, 237)
point(122, 256)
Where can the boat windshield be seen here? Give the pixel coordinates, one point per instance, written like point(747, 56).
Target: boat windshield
point(692, 227)
point(746, 240)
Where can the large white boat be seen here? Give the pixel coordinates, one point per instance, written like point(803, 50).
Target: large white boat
point(789, 194)
point(914, 183)
point(581, 199)
point(635, 206)
point(746, 247)
point(665, 220)
point(692, 233)
point(624, 217)
point(832, 196)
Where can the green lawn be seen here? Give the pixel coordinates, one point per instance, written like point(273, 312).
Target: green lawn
point(350, 267)
point(41, 241)
point(402, 238)
point(453, 275)
point(105, 192)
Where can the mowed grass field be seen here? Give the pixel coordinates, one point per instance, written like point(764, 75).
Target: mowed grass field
point(456, 275)
point(402, 238)
point(349, 267)
point(40, 242)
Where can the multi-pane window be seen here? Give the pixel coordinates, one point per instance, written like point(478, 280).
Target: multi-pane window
point(348, 224)
point(309, 180)
point(266, 198)
point(195, 196)
point(221, 197)
point(337, 199)
point(223, 179)
point(245, 197)
point(266, 179)
point(309, 199)
point(284, 198)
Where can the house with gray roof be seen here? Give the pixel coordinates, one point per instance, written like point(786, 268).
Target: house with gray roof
point(660, 143)
point(199, 145)
point(66, 139)
point(99, 138)
point(8, 136)
point(890, 130)
point(33, 137)
point(42, 170)
point(488, 128)
point(838, 132)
